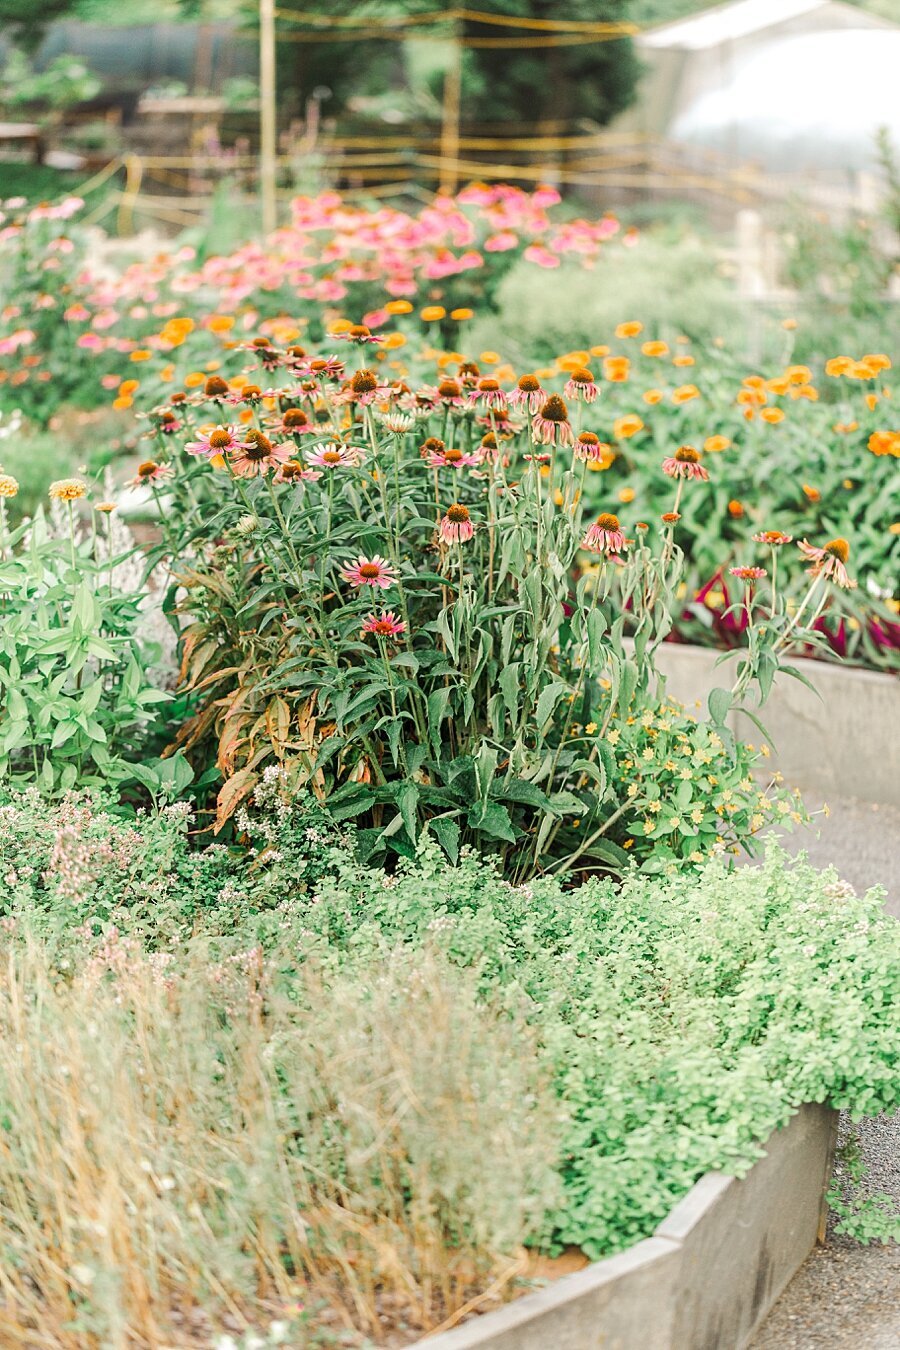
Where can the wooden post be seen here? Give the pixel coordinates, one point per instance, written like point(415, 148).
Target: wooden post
point(267, 119)
point(450, 118)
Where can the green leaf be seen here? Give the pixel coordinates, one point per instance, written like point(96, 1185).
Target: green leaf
point(719, 704)
point(550, 696)
point(407, 801)
point(492, 819)
point(446, 831)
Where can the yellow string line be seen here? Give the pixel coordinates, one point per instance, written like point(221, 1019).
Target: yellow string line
point(386, 35)
point(460, 16)
point(98, 178)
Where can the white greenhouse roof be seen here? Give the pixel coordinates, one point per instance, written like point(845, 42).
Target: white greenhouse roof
point(727, 22)
point(813, 101)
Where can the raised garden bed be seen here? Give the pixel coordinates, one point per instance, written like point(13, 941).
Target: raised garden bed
point(708, 1275)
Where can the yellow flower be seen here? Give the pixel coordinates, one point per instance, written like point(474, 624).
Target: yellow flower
point(67, 489)
point(629, 329)
point(613, 736)
point(8, 485)
point(591, 728)
point(697, 815)
point(684, 393)
point(655, 349)
point(652, 396)
point(627, 494)
point(714, 445)
point(655, 807)
point(649, 826)
point(460, 315)
point(432, 313)
point(632, 790)
point(399, 307)
point(647, 754)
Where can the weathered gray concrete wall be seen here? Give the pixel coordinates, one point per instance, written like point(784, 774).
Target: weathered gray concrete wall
point(843, 740)
point(704, 1280)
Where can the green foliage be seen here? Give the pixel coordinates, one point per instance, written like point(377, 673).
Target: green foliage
point(861, 1215)
point(74, 692)
point(65, 81)
point(680, 1021)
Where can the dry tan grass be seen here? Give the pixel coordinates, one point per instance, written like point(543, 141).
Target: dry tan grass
point(201, 1150)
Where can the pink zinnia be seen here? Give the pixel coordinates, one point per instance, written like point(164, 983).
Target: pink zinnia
point(580, 385)
point(456, 526)
point(334, 456)
point(374, 571)
point(552, 419)
point(383, 625)
point(829, 562)
point(685, 463)
point(528, 394)
point(605, 535)
point(748, 573)
point(220, 440)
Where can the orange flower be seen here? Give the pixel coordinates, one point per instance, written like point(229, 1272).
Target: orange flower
point(808, 391)
point(844, 427)
point(338, 326)
point(812, 494)
point(626, 495)
point(140, 355)
point(789, 324)
point(194, 380)
point(220, 323)
point(629, 329)
point(627, 426)
point(735, 509)
point(753, 382)
point(871, 402)
point(399, 307)
point(682, 360)
point(778, 386)
point(885, 443)
point(714, 445)
point(616, 368)
point(877, 361)
point(123, 401)
point(393, 341)
point(572, 361)
point(684, 393)
point(655, 348)
point(838, 365)
point(798, 374)
point(128, 387)
point(167, 374)
point(599, 351)
point(490, 358)
point(772, 415)
point(460, 315)
point(752, 397)
point(652, 396)
point(432, 313)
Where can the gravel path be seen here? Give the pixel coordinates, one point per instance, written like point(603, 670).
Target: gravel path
point(847, 1297)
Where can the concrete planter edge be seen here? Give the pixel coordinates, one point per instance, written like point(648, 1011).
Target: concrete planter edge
point(706, 1278)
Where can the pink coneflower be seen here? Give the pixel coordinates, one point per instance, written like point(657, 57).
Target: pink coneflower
point(605, 535)
point(149, 472)
point(383, 625)
point(685, 463)
point(221, 440)
point(497, 419)
point(360, 334)
point(456, 526)
point(551, 421)
point(293, 471)
point(166, 422)
point(437, 455)
point(527, 394)
point(589, 447)
point(334, 456)
point(296, 422)
point(269, 356)
point(488, 392)
point(829, 562)
point(580, 385)
point(450, 394)
point(774, 538)
point(258, 455)
point(326, 367)
point(250, 393)
point(364, 388)
point(374, 571)
point(748, 573)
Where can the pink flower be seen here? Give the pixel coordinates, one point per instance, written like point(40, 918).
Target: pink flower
point(360, 334)
point(455, 526)
point(748, 573)
point(685, 463)
point(580, 386)
point(383, 625)
point(258, 455)
point(552, 420)
point(488, 392)
point(149, 472)
point(605, 535)
point(527, 394)
point(334, 456)
point(590, 448)
point(220, 440)
point(829, 562)
point(374, 571)
point(774, 538)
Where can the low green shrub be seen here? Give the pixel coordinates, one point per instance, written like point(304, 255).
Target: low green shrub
point(681, 1020)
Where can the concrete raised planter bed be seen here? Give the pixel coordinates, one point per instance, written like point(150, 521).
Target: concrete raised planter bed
point(843, 742)
point(704, 1280)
